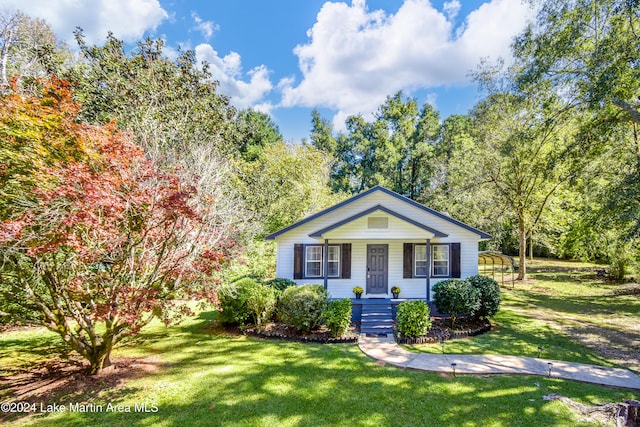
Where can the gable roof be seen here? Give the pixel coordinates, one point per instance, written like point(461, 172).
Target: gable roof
point(400, 197)
point(435, 232)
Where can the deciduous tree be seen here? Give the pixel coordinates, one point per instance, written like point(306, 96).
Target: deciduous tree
point(394, 150)
point(24, 43)
point(111, 242)
point(525, 151)
point(251, 131)
point(286, 183)
point(589, 51)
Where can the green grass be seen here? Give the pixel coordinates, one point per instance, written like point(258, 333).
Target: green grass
point(565, 310)
point(25, 349)
point(515, 334)
point(253, 382)
point(208, 378)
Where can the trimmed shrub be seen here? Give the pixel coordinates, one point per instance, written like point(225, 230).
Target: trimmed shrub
point(303, 306)
point(489, 295)
point(338, 316)
point(233, 304)
point(456, 297)
point(280, 284)
point(246, 301)
point(413, 318)
point(262, 304)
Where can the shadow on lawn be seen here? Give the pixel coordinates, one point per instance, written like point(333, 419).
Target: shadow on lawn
point(246, 381)
point(604, 304)
point(588, 320)
point(40, 347)
point(516, 334)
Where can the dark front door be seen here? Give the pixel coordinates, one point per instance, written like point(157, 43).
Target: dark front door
point(377, 269)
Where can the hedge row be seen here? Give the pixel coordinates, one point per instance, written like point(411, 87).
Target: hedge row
point(249, 301)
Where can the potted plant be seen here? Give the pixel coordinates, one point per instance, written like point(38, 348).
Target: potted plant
point(395, 291)
point(358, 291)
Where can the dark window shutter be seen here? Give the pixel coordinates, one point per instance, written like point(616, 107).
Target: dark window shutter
point(345, 261)
point(455, 260)
point(298, 253)
point(407, 272)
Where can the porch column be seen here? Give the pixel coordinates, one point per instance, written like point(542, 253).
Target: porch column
point(428, 269)
point(325, 263)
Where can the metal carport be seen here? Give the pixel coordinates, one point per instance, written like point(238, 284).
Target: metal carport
point(493, 259)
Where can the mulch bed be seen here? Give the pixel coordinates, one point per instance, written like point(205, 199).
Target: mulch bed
point(282, 331)
point(67, 380)
point(441, 331)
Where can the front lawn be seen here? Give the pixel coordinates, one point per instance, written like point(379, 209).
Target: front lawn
point(569, 312)
point(197, 376)
point(210, 379)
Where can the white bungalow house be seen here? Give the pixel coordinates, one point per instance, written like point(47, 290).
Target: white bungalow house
point(376, 240)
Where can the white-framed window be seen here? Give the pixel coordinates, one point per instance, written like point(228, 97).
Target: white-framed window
point(313, 261)
point(440, 260)
point(333, 262)
point(420, 256)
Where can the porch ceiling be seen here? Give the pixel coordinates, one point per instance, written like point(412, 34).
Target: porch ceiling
point(411, 229)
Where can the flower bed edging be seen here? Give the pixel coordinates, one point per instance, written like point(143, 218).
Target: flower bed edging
point(317, 340)
point(447, 336)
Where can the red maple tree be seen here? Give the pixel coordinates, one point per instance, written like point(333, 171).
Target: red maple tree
point(108, 241)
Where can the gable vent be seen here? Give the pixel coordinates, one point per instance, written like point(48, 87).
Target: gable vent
point(378, 223)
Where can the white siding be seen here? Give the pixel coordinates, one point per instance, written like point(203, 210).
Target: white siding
point(359, 236)
point(357, 229)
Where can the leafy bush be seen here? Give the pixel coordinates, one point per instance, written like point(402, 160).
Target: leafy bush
point(246, 300)
point(303, 306)
point(413, 318)
point(233, 304)
point(456, 297)
point(246, 276)
point(280, 283)
point(261, 303)
point(622, 258)
point(338, 316)
point(489, 295)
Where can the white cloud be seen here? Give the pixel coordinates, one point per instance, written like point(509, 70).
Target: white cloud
point(127, 19)
point(356, 57)
point(263, 107)
point(451, 8)
point(207, 28)
point(432, 99)
point(228, 71)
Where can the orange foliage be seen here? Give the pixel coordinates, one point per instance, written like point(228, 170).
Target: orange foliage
point(108, 232)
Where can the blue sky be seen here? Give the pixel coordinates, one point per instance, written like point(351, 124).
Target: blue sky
point(286, 57)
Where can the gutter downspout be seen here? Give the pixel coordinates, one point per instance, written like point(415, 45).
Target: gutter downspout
point(325, 262)
point(428, 269)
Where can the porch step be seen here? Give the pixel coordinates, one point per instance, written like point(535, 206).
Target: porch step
point(377, 318)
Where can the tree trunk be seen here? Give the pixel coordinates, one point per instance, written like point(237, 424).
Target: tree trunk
point(522, 271)
point(531, 247)
point(100, 359)
point(5, 56)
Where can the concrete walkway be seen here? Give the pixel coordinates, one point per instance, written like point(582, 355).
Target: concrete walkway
point(386, 350)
